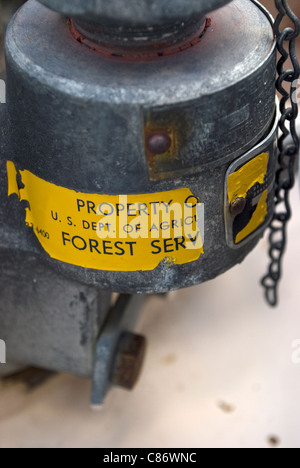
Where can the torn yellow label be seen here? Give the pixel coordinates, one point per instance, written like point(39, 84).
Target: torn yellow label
point(111, 232)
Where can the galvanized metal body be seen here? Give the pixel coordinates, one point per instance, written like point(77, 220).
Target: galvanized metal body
point(47, 320)
point(77, 119)
point(85, 115)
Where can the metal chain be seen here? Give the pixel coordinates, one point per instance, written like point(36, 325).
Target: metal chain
point(285, 176)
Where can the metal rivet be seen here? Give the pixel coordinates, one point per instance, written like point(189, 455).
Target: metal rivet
point(159, 143)
point(237, 206)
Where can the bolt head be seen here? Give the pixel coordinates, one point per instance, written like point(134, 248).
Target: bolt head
point(129, 360)
point(237, 206)
point(159, 143)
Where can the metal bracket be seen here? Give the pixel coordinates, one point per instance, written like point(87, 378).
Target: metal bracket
point(122, 318)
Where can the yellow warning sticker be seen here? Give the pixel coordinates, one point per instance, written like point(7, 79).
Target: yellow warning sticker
point(238, 185)
point(111, 232)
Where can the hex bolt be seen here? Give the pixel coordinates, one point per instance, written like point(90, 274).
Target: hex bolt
point(159, 143)
point(237, 206)
point(129, 359)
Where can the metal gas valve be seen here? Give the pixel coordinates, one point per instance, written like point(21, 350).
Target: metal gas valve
point(138, 156)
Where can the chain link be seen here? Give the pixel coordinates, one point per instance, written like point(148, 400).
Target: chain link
point(288, 152)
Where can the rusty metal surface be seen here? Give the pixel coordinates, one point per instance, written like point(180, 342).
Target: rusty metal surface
point(138, 42)
point(119, 354)
point(129, 360)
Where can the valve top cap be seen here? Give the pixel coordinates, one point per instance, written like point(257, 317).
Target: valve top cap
point(134, 12)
